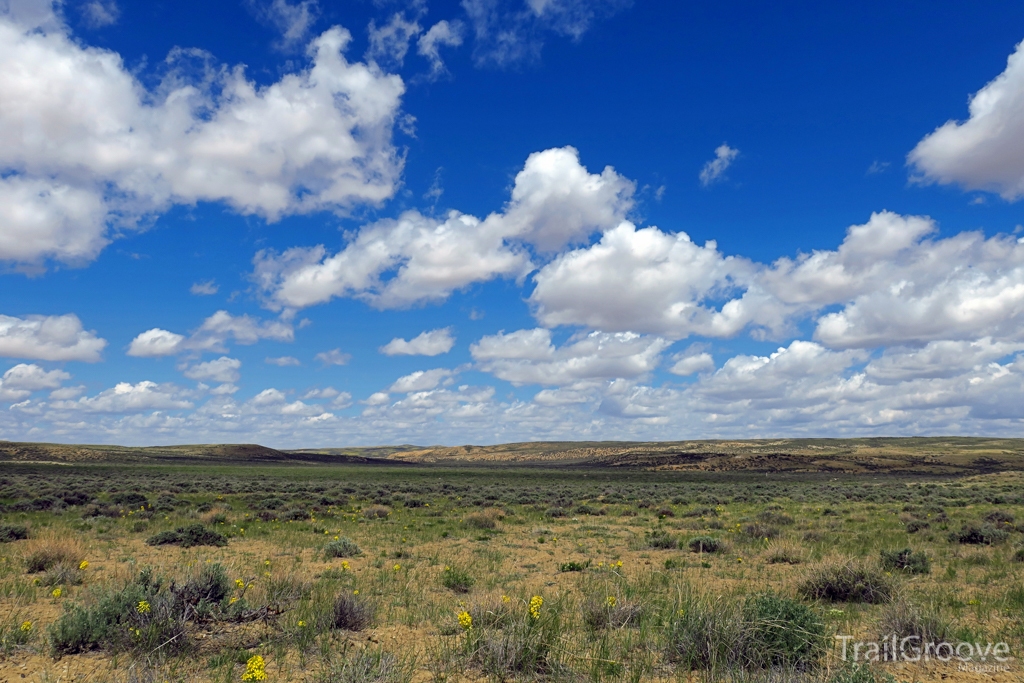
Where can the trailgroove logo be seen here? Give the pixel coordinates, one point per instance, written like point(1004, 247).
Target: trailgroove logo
point(911, 649)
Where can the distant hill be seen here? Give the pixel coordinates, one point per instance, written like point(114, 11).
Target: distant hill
point(903, 455)
point(935, 455)
point(12, 451)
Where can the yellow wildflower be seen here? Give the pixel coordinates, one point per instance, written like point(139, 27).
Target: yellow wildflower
point(143, 607)
point(355, 592)
point(505, 599)
point(611, 601)
point(397, 567)
point(535, 604)
point(302, 624)
point(26, 626)
point(465, 620)
point(345, 566)
point(239, 583)
point(83, 565)
point(619, 564)
point(255, 669)
point(57, 592)
point(233, 600)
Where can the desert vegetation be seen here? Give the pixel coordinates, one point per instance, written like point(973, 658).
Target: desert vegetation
point(328, 573)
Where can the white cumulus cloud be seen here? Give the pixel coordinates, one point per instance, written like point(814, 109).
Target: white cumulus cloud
point(223, 369)
point(211, 336)
point(985, 152)
point(53, 338)
point(395, 263)
point(430, 343)
point(530, 357)
point(85, 147)
point(421, 380)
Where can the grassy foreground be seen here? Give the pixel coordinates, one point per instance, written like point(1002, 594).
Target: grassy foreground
point(354, 573)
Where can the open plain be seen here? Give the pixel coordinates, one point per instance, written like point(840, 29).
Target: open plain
point(234, 570)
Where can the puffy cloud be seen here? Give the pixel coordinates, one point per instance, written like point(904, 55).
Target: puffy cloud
point(427, 260)
point(747, 377)
point(715, 169)
point(643, 280)
point(421, 380)
point(155, 343)
point(899, 287)
point(127, 398)
point(333, 357)
point(692, 361)
point(41, 218)
point(53, 338)
point(430, 343)
point(283, 361)
point(985, 152)
point(206, 288)
point(890, 282)
point(529, 356)
point(84, 146)
point(937, 359)
point(211, 336)
point(395, 263)
point(556, 201)
point(223, 369)
point(21, 380)
point(443, 33)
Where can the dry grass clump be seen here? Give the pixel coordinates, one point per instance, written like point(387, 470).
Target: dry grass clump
point(351, 613)
point(45, 553)
point(847, 581)
point(488, 519)
point(905, 620)
point(785, 552)
point(376, 512)
point(611, 612)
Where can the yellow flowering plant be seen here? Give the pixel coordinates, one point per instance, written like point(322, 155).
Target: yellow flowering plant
point(255, 669)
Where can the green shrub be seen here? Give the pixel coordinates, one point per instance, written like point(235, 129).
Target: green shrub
point(779, 631)
point(1018, 555)
point(847, 582)
point(704, 544)
point(999, 517)
point(12, 532)
point(985, 534)
point(906, 560)
point(915, 525)
point(131, 499)
point(573, 566)
point(188, 536)
point(457, 579)
point(765, 631)
point(139, 616)
point(342, 547)
point(662, 540)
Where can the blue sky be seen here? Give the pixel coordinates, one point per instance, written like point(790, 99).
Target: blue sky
point(312, 224)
